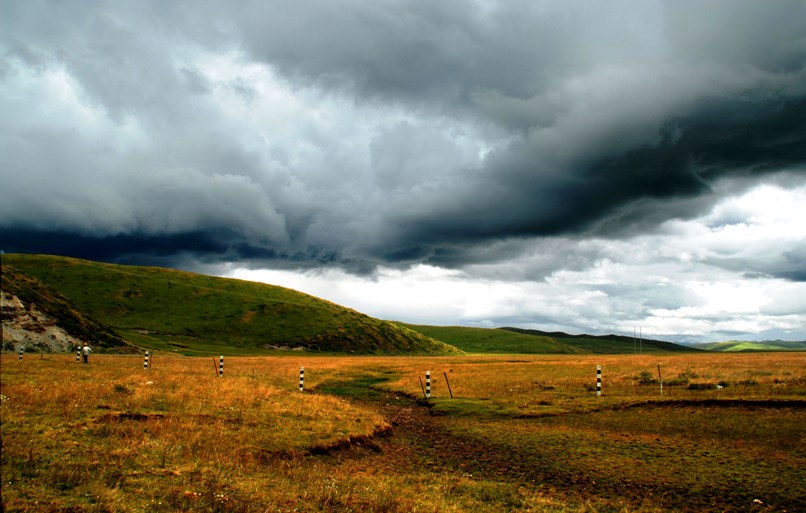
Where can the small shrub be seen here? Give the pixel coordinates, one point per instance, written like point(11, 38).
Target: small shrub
point(646, 378)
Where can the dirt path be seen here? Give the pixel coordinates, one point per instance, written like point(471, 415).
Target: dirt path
point(423, 442)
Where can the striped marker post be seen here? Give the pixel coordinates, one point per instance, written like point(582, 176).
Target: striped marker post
point(598, 381)
point(427, 384)
point(78, 356)
point(301, 378)
point(22, 350)
point(145, 361)
point(221, 366)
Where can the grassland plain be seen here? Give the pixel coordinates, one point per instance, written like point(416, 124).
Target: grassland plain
point(522, 433)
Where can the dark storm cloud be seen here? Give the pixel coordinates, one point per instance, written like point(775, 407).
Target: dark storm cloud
point(624, 193)
point(422, 131)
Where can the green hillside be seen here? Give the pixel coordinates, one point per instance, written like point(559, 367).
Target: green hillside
point(609, 344)
point(765, 345)
point(492, 341)
point(66, 315)
point(188, 313)
point(521, 341)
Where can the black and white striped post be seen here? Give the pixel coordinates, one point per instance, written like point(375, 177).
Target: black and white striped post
point(145, 361)
point(428, 384)
point(22, 350)
point(78, 355)
point(598, 381)
point(301, 378)
point(221, 366)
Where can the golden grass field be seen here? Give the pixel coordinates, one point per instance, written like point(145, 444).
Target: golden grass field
point(521, 434)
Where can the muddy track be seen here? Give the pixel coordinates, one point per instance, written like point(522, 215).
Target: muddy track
point(419, 440)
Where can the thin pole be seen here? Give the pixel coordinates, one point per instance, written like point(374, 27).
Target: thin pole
point(660, 378)
point(448, 383)
point(421, 386)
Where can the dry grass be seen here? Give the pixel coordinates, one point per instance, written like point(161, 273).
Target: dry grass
point(76, 433)
point(111, 436)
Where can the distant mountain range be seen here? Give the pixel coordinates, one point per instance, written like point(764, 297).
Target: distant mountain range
point(522, 341)
point(763, 345)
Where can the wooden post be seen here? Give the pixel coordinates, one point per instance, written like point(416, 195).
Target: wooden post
point(421, 386)
point(660, 378)
point(598, 381)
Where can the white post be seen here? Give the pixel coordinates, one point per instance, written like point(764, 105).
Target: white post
point(428, 384)
point(145, 362)
point(78, 356)
point(598, 381)
point(221, 366)
point(301, 378)
point(22, 350)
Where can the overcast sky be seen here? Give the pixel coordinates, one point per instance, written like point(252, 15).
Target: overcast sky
point(582, 166)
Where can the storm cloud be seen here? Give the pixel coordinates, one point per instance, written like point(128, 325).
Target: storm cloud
point(504, 140)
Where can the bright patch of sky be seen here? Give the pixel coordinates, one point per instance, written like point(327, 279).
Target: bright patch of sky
point(666, 283)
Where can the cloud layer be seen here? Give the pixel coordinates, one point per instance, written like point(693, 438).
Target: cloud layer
point(505, 141)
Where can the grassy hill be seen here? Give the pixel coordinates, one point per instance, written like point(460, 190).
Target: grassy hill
point(765, 345)
point(188, 313)
point(64, 313)
point(521, 341)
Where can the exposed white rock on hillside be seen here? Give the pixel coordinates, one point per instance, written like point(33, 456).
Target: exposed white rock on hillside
point(26, 325)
